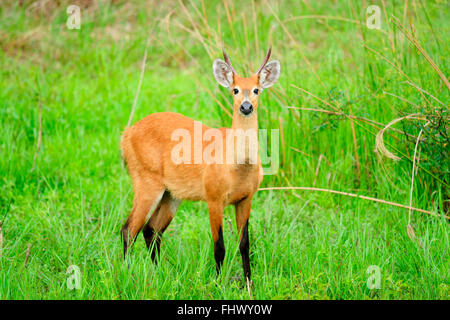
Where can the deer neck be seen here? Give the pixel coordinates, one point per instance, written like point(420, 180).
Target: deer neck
point(248, 127)
point(245, 123)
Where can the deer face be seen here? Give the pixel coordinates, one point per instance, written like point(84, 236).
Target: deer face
point(246, 91)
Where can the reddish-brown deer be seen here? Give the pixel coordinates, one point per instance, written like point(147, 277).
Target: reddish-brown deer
point(161, 182)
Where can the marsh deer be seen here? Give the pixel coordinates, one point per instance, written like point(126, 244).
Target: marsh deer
point(161, 182)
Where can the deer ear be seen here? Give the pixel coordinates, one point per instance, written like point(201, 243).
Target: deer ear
point(269, 74)
point(223, 73)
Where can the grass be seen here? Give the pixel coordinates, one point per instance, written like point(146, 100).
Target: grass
point(67, 199)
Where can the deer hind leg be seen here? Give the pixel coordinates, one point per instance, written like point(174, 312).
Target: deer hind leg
point(146, 199)
point(216, 221)
point(158, 223)
point(242, 215)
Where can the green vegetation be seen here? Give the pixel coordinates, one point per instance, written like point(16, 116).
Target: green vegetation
point(65, 196)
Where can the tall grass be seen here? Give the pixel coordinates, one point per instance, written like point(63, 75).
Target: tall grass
point(66, 95)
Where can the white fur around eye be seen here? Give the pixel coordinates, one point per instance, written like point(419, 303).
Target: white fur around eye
point(269, 74)
point(223, 73)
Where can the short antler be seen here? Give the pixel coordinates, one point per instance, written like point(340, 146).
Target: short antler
point(227, 59)
point(265, 60)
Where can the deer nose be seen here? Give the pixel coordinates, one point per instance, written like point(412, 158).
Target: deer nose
point(246, 108)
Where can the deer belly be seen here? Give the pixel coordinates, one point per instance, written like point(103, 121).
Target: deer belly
point(185, 182)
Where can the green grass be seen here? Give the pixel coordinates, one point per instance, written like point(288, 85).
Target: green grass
point(68, 203)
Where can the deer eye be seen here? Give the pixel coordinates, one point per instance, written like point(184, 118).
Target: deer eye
point(235, 91)
point(255, 91)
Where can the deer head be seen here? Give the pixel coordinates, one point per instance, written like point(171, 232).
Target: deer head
point(246, 91)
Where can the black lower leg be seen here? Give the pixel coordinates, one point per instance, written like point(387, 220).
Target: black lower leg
point(125, 238)
point(152, 240)
point(219, 251)
point(244, 248)
point(128, 237)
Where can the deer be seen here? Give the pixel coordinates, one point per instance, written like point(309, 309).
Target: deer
point(160, 184)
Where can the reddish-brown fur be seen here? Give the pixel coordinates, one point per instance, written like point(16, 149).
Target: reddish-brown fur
point(160, 184)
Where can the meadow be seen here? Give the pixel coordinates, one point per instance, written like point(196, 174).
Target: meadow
point(66, 95)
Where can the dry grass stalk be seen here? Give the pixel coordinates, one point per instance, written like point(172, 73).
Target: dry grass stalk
point(390, 33)
point(27, 255)
point(424, 91)
point(354, 195)
point(373, 123)
point(229, 19)
point(141, 77)
point(397, 68)
point(401, 98)
point(379, 143)
point(409, 228)
point(199, 83)
point(255, 26)
point(318, 17)
point(248, 288)
point(321, 100)
point(196, 32)
point(291, 38)
point(317, 169)
point(278, 95)
point(299, 151)
point(197, 35)
point(295, 194)
point(355, 145)
point(411, 37)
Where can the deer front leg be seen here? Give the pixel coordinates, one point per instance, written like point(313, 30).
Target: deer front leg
point(242, 215)
point(215, 219)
